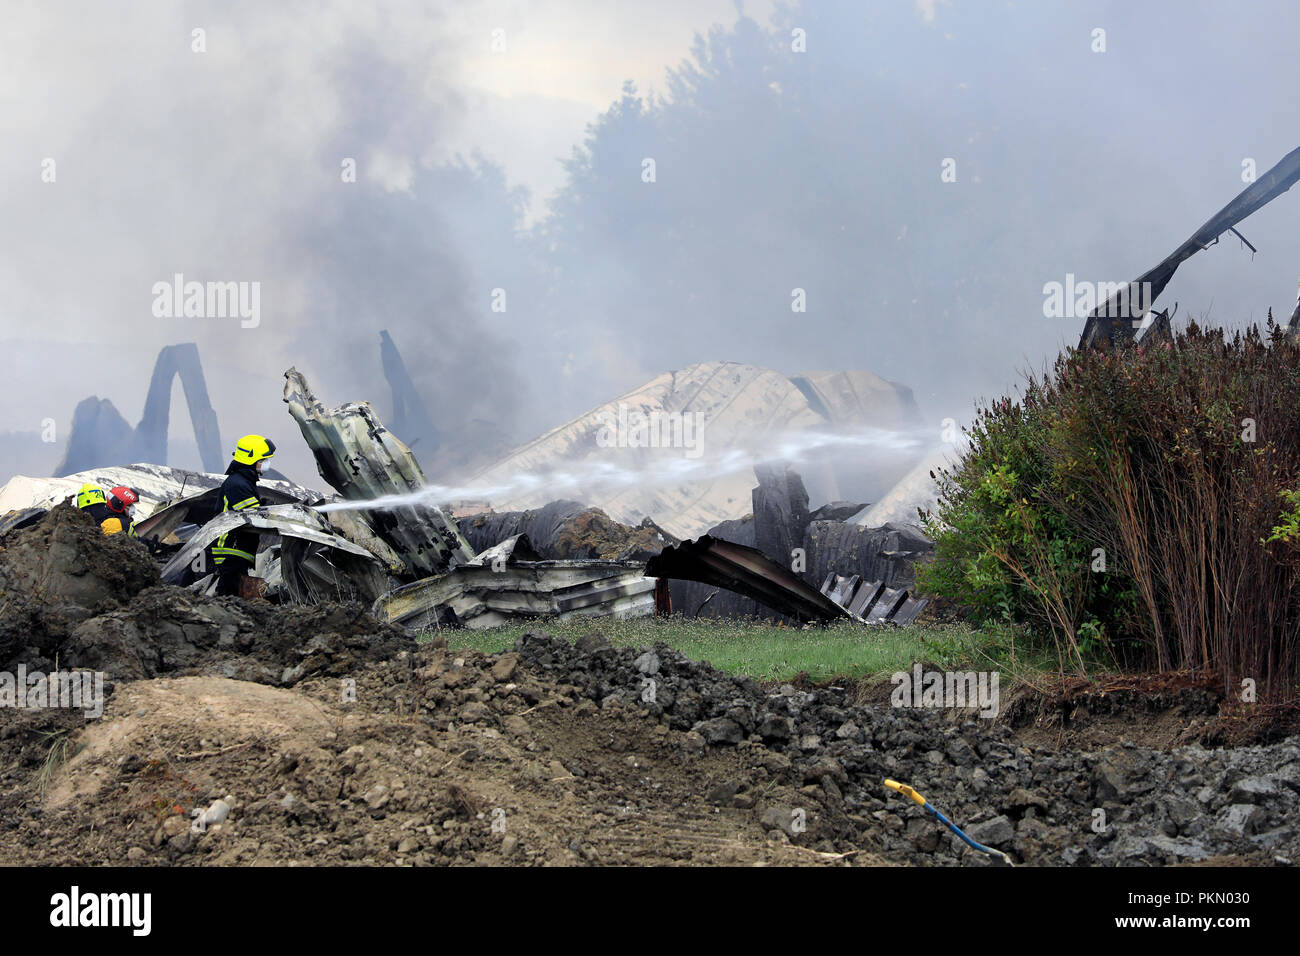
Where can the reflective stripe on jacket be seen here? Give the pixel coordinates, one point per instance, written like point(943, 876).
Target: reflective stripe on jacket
point(238, 493)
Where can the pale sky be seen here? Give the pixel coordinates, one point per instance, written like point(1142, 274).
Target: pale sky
point(564, 62)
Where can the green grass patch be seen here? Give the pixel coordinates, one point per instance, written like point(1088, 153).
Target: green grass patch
point(772, 653)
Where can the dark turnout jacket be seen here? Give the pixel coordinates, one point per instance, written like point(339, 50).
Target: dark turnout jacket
point(238, 493)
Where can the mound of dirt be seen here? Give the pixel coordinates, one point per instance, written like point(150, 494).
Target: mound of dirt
point(556, 753)
point(75, 596)
point(431, 758)
point(1083, 715)
point(168, 630)
point(64, 558)
point(56, 574)
point(1160, 711)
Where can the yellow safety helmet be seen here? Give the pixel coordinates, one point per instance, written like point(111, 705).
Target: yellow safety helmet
point(90, 495)
point(253, 448)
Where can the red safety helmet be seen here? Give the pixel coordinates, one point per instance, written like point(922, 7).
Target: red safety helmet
point(121, 499)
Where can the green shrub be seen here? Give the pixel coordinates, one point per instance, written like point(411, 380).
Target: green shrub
point(1141, 505)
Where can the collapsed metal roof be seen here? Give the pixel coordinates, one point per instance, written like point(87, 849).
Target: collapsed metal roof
point(746, 571)
point(732, 403)
point(157, 486)
point(749, 572)
point(310, 556)
point(506, 582)
point(313, 563)
point(198, 509)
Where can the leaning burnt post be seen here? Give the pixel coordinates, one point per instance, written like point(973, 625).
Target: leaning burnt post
point(780, 510)
point(410, 415)
point(1113, 322)
point(362, 460)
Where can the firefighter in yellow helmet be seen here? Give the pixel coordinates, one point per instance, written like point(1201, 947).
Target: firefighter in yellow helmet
point(234, 551)
point(92, 500)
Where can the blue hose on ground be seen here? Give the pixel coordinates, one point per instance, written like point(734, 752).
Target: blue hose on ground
point(907, 791)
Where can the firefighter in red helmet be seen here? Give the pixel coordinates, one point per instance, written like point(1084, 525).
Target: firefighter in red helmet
point(121, 511)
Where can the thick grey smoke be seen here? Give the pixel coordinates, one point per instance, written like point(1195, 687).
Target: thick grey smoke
point(1081, 139)
point(803, 149)
point(223, 155)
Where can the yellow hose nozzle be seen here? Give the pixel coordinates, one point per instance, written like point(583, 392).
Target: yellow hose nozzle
point(905, 790)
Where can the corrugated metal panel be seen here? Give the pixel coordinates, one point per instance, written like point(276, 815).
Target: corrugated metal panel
point(871, 601)
point(315, 563)
point(487, 595)
point(908, 611)
point(198, 509)
point(888, 602)
point(863, 601)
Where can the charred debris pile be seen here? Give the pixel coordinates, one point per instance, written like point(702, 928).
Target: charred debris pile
point(415, 565)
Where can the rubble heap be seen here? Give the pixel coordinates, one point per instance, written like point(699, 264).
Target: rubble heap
point(829, 757)
point(566, 529)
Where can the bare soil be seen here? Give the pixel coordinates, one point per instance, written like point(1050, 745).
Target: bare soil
point(313, 779)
